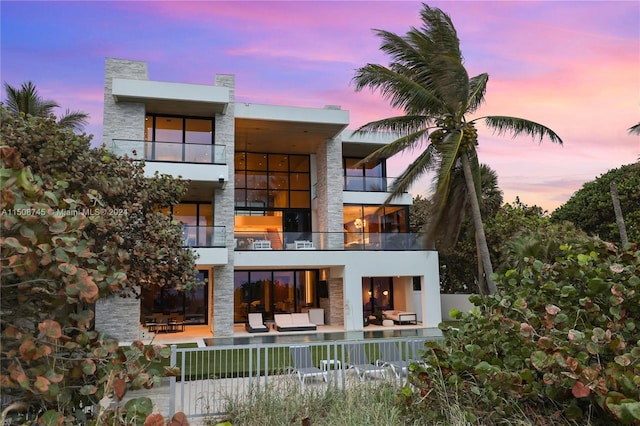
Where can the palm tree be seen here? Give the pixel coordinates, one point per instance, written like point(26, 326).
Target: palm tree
point(27, 100)
point(428, 81)
point(447, 220)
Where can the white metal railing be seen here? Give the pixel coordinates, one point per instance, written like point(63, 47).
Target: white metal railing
point(204, 236)
point(357, 240)
point(213, 376)
point(174, 152)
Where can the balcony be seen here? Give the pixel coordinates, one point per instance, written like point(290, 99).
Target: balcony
point(296, 241)
point(204, 236)
point(367, 183)
point(170, 152)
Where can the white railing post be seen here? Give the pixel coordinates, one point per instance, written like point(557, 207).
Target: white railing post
point(172, 382)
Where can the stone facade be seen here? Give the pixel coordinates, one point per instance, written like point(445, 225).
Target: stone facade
point(329, 191)
point(333, 306)
point(119, 317)
point(122, 120)
point(224, 216)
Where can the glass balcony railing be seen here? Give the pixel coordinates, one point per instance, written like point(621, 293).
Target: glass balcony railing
point(204, 236)
point(367, 183)
point(274, 240)
point(170, 151)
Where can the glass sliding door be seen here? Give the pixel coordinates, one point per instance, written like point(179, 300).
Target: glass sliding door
point(273, 292)
point(170, 303)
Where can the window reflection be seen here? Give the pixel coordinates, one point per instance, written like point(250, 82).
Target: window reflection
point(272, 292)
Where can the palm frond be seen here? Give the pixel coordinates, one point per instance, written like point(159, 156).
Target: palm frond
point(427, 160)
point(74, 120)
point(450, 150)
point(426, 74)
point(439, 28)
point(399, 90)
point(445, 218)
point(410, 141)
point(492, 197)
point(519, 126)
point(27, 100)
point(401, 124)
point(477, 89)
point(634, 130)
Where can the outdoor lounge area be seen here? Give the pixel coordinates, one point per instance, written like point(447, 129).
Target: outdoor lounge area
point(202, 335)
point(293, 322)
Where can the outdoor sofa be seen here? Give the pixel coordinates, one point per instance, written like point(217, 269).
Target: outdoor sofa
point(293, 322)
point(400, 317)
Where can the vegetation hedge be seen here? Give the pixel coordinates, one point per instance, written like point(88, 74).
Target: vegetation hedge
point(560, 338)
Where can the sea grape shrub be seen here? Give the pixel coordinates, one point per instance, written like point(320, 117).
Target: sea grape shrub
point(59, 255)
point(54, 366)
point(561, 337)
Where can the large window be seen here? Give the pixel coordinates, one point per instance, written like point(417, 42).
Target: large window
point(272, 181)
point(272, 198)
point(169, 303)
point(272, 292)
point(373, 227)
point(197, 220)
point(369, 177)
point(183, 139)
point(377, 295)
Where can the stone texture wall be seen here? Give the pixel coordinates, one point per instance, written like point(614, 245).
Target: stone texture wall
point(122, 120)
point(118, 317)
point(224, 216)
point(329, 192)
point(334, 305)
point(330, 219)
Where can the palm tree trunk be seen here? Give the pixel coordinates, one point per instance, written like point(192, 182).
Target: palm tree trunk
point(477, 221)
point(482, 284)
point(618, 211)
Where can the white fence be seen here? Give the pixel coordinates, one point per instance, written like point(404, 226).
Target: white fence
point(211, 377)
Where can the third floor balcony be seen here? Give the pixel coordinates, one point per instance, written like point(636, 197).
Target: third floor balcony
point(170, 152)
point(367, 183)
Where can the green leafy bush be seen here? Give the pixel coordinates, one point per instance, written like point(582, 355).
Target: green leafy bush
point(559, 338)
point(59, 253)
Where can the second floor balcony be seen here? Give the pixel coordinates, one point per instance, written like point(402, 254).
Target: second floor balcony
point(172, 152)
point(215, 237)
point(204, 236)
point(369, 241)
point(367, 183)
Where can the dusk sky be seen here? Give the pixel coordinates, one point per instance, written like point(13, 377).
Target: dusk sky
point(573, 66)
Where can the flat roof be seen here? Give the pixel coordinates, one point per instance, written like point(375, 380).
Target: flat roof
point(172, 98)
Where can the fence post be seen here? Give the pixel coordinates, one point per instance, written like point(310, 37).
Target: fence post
point(172, 382)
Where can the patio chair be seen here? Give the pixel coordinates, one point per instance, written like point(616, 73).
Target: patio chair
point(392, 357)
point(359, 362)
point(303, 365)
point(256, 323)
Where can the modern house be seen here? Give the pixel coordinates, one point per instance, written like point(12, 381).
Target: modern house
point(283, 217)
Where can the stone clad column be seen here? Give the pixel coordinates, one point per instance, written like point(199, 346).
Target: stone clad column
point(224, 216)
point(119, 317)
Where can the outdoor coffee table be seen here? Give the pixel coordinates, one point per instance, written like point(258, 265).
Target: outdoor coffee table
point(326, 363)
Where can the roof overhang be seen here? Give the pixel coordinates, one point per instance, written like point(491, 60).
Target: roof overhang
point(172, 98)
point(362, 144)
point(285, 129)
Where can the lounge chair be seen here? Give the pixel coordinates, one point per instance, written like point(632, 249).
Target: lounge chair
point(256, 323)
point(392, 357)
point(359, 362)
point(303, 365)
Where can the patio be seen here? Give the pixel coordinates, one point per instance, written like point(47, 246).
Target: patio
point(202, 335)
